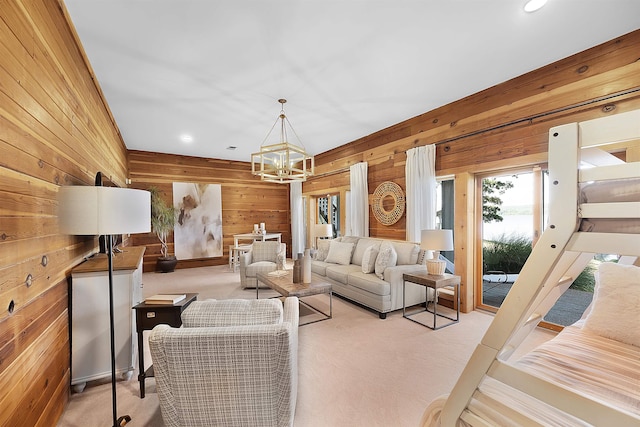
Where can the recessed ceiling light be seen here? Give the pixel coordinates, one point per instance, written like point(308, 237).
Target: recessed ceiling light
point(533, 5)
point(186, 138)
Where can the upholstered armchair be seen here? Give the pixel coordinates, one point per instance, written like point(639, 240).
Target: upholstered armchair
point(263, 257)
point(232, 363)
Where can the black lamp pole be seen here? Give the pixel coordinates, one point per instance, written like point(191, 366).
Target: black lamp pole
point(117, 422)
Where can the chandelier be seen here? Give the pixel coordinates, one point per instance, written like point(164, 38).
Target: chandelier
point(282, 162)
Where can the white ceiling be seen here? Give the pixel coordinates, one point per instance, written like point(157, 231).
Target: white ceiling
point(348, 68)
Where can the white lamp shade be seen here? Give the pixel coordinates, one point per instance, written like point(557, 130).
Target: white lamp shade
point(86, 210)
point(436, 240)
point(323, 230)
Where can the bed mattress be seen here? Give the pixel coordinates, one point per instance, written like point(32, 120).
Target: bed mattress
point(615, 191)
point(600, 368)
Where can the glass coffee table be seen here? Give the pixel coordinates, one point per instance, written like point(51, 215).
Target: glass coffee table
point(282, 282)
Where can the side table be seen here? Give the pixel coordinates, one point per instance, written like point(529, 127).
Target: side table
point(435, 283)
point(150, 315)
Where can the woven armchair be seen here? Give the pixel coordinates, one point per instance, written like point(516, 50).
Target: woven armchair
point(232, 363)
point(263, 257)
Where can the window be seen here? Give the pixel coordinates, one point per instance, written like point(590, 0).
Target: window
point(445, 212)
point(329, 212)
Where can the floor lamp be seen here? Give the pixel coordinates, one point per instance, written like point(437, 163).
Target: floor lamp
point(108, 211)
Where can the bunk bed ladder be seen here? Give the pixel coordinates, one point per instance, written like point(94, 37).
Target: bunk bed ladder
point(559, 256)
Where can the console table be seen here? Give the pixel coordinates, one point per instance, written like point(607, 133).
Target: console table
point(150, 315)
point(90, 339)
point(435, 283)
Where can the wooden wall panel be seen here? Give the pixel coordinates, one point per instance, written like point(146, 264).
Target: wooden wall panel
point(503, 125)
point(245, 199)
point(55, 130)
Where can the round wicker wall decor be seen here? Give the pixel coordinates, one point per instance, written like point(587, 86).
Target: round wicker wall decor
point(386, 193)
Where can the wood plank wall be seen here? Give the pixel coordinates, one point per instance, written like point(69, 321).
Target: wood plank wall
point(505, 125)
point(54, 130)
point(245, 199)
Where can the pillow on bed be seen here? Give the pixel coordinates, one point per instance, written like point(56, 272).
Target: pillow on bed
point(615, 310)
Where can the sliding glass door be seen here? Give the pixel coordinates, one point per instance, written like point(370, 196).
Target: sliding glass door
point(512, 211)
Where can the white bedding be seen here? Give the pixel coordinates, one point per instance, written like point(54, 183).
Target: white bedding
point(600, 368)
point(615, 191)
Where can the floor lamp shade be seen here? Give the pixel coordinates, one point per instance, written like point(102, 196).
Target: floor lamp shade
point(87, 210)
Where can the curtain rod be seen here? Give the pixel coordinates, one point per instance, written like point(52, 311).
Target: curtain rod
point(513, 122)
point(539, 115)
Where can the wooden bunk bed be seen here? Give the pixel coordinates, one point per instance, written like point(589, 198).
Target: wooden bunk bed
point(589, 374)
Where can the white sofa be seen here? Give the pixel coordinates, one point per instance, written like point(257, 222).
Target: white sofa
point(383, 292)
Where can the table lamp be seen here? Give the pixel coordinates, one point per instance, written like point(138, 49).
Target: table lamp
point(322, 230)
point(108, 211)
point(436, 240)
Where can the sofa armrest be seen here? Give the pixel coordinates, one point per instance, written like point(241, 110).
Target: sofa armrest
point(394, 274)
point(245, 259)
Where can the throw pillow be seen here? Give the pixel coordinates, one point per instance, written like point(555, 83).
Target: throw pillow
point(615, 310)
point(422, 257)
point(340, 253)
point(407, 252)
point(387, 257)
point(323, 249)
point(369, 259)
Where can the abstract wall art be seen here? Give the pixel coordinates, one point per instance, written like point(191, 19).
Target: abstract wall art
point(198, 228)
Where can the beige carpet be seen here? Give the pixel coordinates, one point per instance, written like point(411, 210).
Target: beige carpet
point(354, 370)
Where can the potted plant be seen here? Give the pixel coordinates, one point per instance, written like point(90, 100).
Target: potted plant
point(163, 218)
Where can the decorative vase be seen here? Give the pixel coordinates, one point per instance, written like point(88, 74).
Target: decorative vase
point(306, 266)
point(297, 271)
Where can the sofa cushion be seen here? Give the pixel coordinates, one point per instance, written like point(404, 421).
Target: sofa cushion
point(369, 259)
point(260, 267)
point(340, 253)
point(387, 257)
point(323, 249)
point(340, 273)
point(407, 252)
point(350, 239)
point(361, 246)
point(319, 267)
point(369, 282)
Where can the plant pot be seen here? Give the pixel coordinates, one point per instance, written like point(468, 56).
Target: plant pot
point(166, 264)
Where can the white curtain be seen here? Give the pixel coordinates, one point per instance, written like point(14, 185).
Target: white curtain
point(420, 172)
point(359, 203)
point(297, 219)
